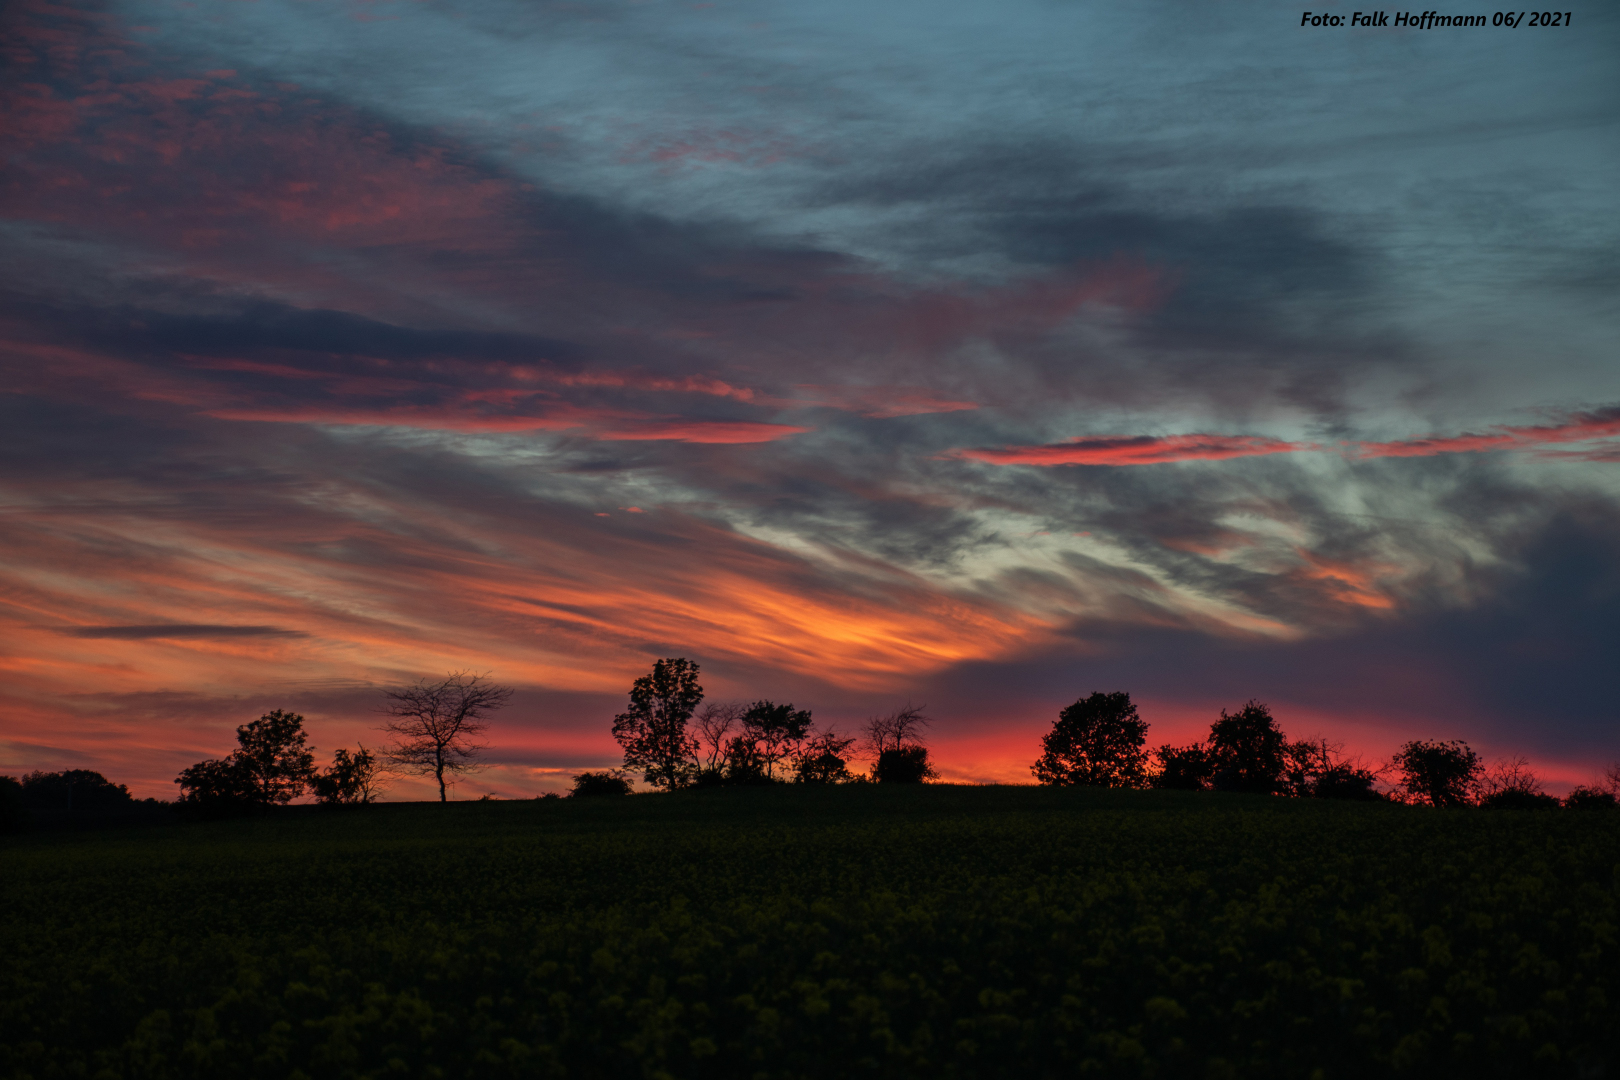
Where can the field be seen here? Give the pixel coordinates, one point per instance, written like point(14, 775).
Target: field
point(793, 932)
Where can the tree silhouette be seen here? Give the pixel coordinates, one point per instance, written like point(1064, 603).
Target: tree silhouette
point(436, 725)
point(352, 779)
point(72, 789)
point(1246, 750)
point(1096, 742)
point(716, 722)
point(1318, 769)
point(1439, 773)
point(1512, 785)
point(653, 730)
point(823, 760)
point(774, 732)
point(1182, 768)
point(274, 758)
point(895, 743)
point(272, 764)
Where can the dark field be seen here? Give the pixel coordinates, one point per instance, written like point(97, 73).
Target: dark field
point(935, 931)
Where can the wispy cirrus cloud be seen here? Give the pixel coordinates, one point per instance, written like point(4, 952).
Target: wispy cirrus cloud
point(1135, 450)
point(179, 631)
point(1118, 450)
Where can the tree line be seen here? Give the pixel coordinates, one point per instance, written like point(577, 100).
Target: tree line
point(1101, 741)
point(676, 740)
point(674, 743)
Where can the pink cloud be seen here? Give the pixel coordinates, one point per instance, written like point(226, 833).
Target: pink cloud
point(704, 431)
point(1157, 449)
point(1136, 450)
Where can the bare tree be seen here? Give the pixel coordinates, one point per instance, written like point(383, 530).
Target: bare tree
point(435, 725)
point(715, 722)
point(901, 728)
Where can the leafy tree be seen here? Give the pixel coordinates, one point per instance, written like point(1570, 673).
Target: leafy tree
point(436, 725)
point(352, 779)
point(653, 730)
point(217, 786)
point(823, 760)
point(589, 784)
point(270, 765)
point(1182, 768)
point(72, 789)
point(1096, 742)
point(774, 732)
point(272, 754)
point(1438, 773)
point(895, 744)
point(1246, 750)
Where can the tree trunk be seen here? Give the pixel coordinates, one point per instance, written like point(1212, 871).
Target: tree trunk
point(438, 771)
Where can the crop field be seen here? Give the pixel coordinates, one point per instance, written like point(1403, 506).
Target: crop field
point(794, 932)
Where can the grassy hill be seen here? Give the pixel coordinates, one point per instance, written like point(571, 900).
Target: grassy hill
point(794, 932)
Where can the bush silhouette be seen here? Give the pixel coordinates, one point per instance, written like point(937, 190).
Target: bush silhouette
point(1182, 768)
point(72, 789)
point(1590, 798)
point(903, 765)
point(589, 784)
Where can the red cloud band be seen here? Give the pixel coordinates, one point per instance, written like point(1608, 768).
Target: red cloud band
point(1136, 450)
point(1160, 449)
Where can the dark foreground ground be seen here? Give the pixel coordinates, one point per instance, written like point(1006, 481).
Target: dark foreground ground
point(939, 931)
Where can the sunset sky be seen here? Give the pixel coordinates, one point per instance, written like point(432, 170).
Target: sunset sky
point(972, 355)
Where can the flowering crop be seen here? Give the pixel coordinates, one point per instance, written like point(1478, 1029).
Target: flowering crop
point(792, 932)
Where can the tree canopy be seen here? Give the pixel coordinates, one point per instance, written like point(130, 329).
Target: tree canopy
point(1439, 773)
point(272, 764)
point(1247, 750)
point(1097, 742)
point(652, 731)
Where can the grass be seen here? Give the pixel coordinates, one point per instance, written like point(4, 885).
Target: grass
point(792, 932)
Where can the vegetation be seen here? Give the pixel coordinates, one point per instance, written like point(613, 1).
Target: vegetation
point(435, 725)
point(1097, 741)
point(804, 931)
point(352, 779)
point(652, 731)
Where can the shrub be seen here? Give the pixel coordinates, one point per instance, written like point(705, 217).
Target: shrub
point(1589, 798)
point(904, 765)
point(608, 782)
point(1182, 768)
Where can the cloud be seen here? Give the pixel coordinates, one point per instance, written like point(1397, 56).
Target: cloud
point(1135, 450)
point(179, 630)
point(1596, 424)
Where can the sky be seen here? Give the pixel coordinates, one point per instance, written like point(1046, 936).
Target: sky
point(976, 356)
